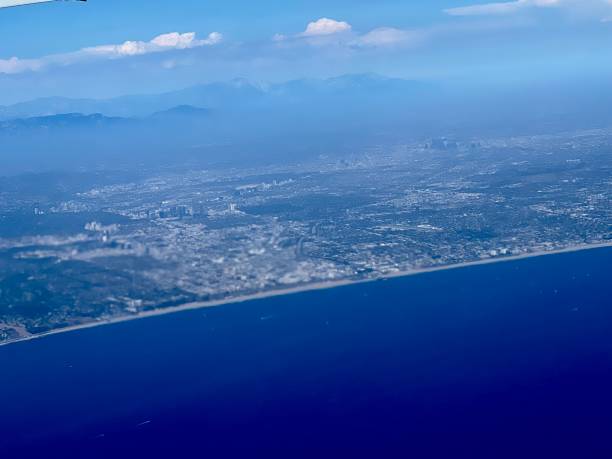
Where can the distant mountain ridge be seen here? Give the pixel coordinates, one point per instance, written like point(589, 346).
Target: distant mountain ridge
point(241, 121)
point(180, 113)
point(235, 94)
point(212, 123)
point(183, 111)
point(63, 120)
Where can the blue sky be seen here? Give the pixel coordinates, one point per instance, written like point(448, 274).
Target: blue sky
point(80, 50)
point(112, 21)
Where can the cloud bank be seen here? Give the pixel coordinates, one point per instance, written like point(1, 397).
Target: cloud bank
point(325, 26)
point(327, 31)
point(162, 43)
point(517, 6)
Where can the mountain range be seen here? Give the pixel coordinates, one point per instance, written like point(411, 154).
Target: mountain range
point(242, 121)
point(235, 94)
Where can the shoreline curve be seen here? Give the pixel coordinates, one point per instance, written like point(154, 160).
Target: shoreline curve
point(302, 289)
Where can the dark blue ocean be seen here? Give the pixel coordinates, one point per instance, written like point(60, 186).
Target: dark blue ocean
point(505, 360)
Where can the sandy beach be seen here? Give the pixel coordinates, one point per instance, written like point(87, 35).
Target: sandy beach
point(301, 289)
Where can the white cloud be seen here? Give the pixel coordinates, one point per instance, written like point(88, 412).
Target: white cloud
point(16, 65)
point(608, 18)
point(162, 43)
point(386, 36)
point(329, 32)
point(326, 26)
point(501, 7)
point(516, 6)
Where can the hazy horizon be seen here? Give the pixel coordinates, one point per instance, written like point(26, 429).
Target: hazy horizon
point(107, 49)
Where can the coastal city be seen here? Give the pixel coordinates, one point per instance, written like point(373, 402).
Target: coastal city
point(116, 244)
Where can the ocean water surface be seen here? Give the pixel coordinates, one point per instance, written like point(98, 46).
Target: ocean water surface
point(511, 359)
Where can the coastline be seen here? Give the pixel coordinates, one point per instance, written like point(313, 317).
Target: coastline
point(304, 288)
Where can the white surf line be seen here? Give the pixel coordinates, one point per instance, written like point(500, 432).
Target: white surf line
point(304, 288)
